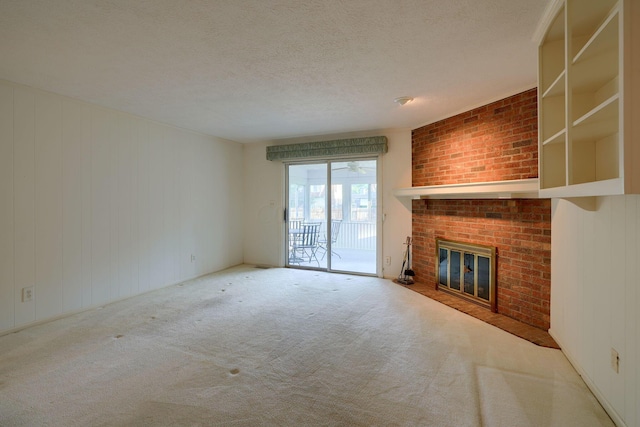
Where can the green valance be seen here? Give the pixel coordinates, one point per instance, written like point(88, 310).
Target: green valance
point(338, 147)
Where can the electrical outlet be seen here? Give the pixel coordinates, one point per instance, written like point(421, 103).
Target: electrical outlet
point(615, 361)
point(193, 258)
point(27, 294)
point(387, 260)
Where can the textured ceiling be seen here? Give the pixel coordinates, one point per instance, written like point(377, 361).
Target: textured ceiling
point(250, 70)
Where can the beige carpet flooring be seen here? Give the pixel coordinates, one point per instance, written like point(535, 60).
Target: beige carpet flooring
point(283, 347)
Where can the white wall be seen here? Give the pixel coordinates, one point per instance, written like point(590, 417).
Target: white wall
point(97, 205)
point(264, 200)
point(595, 297)
point(263, 207)
point(396, 173)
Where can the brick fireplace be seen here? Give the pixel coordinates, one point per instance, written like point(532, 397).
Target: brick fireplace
point(496, 142)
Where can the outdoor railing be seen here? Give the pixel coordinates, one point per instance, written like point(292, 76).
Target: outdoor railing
point(352, 234)
point(356, 235)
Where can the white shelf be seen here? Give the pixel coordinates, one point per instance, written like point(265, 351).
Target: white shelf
point(512, 189)
point(557, 87)
point(603, 39)
point(605, 111)
point(588, 138)
point(610, 187)
point(558, 138)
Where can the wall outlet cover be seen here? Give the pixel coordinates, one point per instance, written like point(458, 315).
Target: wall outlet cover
point(27, 294)
point(615, 361)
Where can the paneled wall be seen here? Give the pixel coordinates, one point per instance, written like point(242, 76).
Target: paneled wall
point(596, 294)
point(97, 205)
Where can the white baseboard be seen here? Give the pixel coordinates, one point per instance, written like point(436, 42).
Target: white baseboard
point(615, 417)
point(94, 306)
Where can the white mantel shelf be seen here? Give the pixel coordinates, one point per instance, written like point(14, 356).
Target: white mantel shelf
point(514, 189)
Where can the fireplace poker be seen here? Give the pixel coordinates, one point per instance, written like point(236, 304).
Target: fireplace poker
point(405, 277)
point(408, 273)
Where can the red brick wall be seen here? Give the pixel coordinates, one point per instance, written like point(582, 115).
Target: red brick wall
point(492, 143)
point(519, 229)
point(496, 142)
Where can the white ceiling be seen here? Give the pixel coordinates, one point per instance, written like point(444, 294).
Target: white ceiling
point(250, 70)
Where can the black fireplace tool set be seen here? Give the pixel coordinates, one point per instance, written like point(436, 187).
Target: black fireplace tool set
point(406, 274)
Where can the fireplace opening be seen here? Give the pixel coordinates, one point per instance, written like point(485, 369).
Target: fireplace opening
point(467, 271)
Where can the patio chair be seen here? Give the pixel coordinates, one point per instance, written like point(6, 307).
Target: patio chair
point(295, 232)
point(322, 244)
point(295, 223)
point(305, 244)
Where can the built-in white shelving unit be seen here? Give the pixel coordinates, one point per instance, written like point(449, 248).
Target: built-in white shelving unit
point(589, 111)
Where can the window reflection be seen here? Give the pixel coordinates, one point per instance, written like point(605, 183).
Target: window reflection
point(455, 271)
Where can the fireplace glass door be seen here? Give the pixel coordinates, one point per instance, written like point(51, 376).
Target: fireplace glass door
point(467, 271)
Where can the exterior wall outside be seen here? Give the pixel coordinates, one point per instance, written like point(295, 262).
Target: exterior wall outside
point(596, 295)
point(98, 205)
point(495, 142)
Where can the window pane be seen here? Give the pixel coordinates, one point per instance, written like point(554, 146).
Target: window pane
point(336, 201)
point(443, 268)
point(317, 202)
point(359, 202)
point(455, 270)
point(373, 202)
point(483, 277)
point(296, 201)
point(469, 266)
point(307, 204)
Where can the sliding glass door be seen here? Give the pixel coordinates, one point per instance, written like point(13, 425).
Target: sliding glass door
point(332, 215)
point(307, 215)
point(354, 205)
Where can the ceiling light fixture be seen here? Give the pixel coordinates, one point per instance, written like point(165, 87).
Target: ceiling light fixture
point(403, 100)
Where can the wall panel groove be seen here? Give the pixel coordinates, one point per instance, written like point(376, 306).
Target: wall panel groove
point(24, 201)
point(7, 250)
